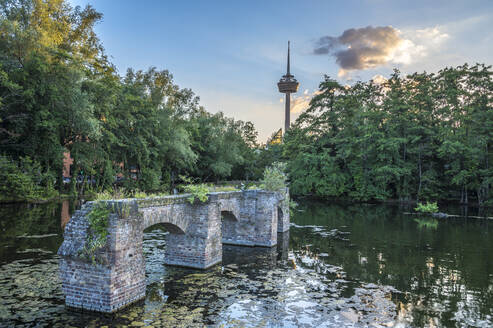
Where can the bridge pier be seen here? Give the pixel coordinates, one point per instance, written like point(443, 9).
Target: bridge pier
point(194, 238)
point(113, 276)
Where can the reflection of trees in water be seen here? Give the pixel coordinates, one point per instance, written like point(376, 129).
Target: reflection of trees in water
point(447, 264)
point(31, 226)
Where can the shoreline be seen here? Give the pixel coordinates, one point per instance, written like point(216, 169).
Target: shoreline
point(63, 197)
point(38, 200)
point(388, 201)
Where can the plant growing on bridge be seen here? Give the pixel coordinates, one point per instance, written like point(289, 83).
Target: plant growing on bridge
point(275, 178)
point(196, 191)
point(122, 209)
point(110, 193)
point(98, 229)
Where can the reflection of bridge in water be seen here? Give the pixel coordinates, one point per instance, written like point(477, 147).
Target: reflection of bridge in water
point(115, 276)
point(264, 257)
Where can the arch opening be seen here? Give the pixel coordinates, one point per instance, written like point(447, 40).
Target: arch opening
point(166, 226)
point(228, 226)
point(228, 216)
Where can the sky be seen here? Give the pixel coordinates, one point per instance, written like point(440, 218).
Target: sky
point(233, 53)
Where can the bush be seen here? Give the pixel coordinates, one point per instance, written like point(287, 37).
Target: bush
point(427, 208)
point(275, 178)
point(196, 191)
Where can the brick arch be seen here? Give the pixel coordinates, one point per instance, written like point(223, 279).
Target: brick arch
point(169, 227)
point(228, 215)
point(172, 217)
point(230, 207)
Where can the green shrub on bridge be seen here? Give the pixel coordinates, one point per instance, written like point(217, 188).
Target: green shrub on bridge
point(275, 178)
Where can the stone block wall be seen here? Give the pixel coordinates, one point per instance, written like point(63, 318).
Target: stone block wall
point(194, 239)
point(255, 221)
point(115, 276)
point(283, 212)
point(238, 225)
point(266, 218)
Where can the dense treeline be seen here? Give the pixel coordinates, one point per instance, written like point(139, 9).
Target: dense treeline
point(418, 137)
point(59, 93)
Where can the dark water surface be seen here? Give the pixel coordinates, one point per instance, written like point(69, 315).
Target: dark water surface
point(339, 266)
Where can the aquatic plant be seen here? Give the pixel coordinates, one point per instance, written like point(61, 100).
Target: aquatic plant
point(427, 208)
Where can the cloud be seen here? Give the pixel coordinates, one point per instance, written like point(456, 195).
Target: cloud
point(300, 103)
point(379, 79)
point(370, 47)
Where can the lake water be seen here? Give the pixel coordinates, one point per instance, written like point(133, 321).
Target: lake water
point(341, 265)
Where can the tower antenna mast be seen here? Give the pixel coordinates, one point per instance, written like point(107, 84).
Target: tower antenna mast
point(287, 85)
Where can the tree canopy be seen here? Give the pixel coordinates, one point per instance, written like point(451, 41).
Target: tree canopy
point(422, 136)
point(60, 94)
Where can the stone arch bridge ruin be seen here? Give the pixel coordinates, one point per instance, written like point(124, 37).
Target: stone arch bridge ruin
point(115, 276)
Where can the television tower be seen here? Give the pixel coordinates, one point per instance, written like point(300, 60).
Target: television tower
point(287, 84)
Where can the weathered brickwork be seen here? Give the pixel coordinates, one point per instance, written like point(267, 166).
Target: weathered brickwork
point(283, 212)
point(115, 275)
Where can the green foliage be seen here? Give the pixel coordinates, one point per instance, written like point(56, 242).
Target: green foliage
point(427, 223)
point(149, 179)
point(196, 191)
point(24, 180)
point(427, 208)
point(274, 177)
point(292, 206)
point(98, 229)
point(98, 219)
point(59, 93)
point(142, 194)
point(122, 209)
point(420, 136)
point(222, 188)
point(110, 194)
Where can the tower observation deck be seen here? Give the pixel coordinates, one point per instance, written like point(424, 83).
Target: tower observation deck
point(287, 84)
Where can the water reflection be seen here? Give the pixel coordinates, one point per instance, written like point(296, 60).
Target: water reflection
point(65, 214)
point(282, 245)
point(340, 265)
point(443, 268)
point(241, 256)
